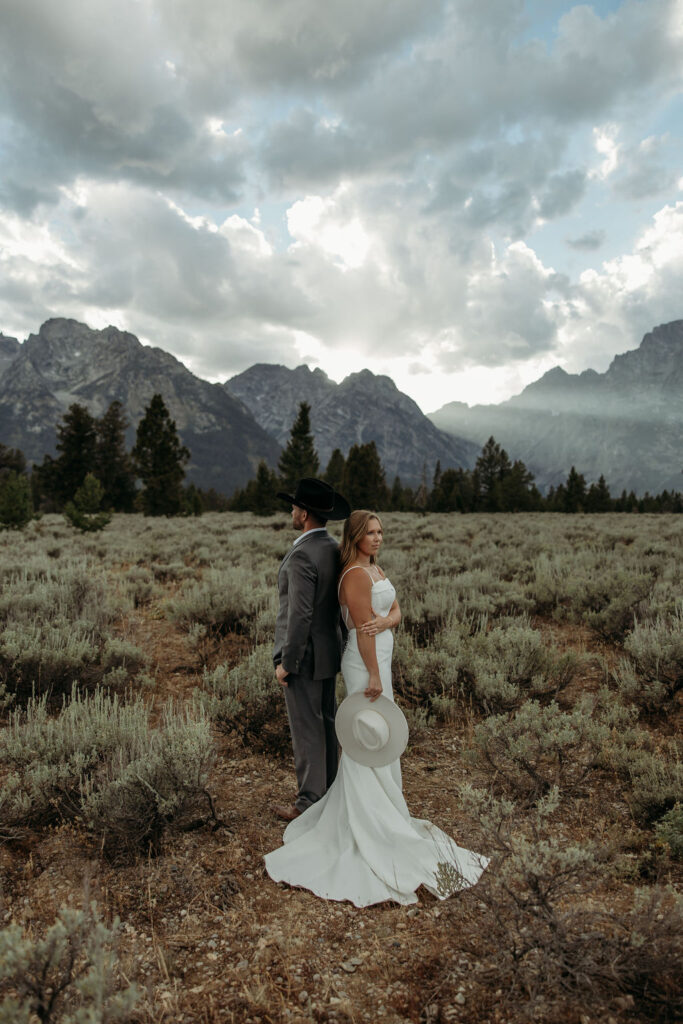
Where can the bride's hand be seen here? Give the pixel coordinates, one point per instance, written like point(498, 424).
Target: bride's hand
point(376, 625)
point(374, 688)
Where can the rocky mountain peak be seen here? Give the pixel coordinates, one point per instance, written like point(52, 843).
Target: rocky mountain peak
point(366, 380)
point(364, 407)
point(67, 362)
point(626, 423)
point(656, 363)
point(9, 350)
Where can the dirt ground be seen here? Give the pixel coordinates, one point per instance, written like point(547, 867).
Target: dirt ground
point(211, 938)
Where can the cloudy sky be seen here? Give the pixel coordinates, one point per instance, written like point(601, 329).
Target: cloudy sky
point(459, 193)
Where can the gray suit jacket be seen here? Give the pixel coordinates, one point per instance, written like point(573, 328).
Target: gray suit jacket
point(308, 623)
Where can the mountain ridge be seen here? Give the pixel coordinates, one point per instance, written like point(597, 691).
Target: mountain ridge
point(66, 362)
point(363, 407)
point(625, 423)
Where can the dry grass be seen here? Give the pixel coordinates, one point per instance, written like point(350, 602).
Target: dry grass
point(209, 937)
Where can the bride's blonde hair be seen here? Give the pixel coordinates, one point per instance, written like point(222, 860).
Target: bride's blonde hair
point(355, 528)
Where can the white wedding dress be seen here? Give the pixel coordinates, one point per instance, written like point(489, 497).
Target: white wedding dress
point(359, 842)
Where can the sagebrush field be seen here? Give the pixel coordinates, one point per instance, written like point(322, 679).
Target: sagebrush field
point(143, 738)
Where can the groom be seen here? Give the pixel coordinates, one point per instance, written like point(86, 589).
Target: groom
point(307, 652)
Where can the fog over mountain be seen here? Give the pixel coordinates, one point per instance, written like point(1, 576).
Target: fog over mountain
point(67, 362)
point(626, 423)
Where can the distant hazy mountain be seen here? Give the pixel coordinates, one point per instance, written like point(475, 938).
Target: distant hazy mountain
point(68, 362)
point(363, 408)
point(626, 423)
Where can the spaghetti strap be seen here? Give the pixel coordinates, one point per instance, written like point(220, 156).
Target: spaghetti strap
point(349, 570)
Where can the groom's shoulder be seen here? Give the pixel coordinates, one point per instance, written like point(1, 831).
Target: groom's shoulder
point(321, 548)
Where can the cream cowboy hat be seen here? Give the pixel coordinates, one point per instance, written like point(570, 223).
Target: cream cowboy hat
point(373, 733)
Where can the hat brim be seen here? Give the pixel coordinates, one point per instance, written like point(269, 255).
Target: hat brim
point(340, 509)
point(393, 716)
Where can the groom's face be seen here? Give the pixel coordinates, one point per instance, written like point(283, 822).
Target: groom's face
point(298, 517)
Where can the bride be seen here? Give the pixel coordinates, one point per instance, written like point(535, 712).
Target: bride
point(359, 842)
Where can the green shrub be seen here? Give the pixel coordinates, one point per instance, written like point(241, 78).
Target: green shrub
point(54, 629)
point(655, 672)
point(248, 701)
point(139, 585)
point(100, 761)
point(656, 785)
point(84, 511)
point(537, 748)
point(495, 669)
point(549, 940)
point(669, 830)
point(70, 976)
point(16, 507)
point(225, 601)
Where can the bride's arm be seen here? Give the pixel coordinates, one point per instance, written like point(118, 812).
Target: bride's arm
point(357, 593)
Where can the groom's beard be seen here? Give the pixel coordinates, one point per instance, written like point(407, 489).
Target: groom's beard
point(298, 517)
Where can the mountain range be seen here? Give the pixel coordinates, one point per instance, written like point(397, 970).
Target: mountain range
point(364, 407)
point(626, 423)
point(67, 362)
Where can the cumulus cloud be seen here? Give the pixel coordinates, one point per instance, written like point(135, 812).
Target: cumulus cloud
point(406, 160)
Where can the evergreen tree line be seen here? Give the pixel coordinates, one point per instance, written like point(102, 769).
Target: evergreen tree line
point(496, 484)
point(94, 475)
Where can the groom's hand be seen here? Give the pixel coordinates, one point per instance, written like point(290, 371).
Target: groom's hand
point(281, 675)
point(375, 625)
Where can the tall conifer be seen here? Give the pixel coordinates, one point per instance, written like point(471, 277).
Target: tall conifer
point(299, 458)
point(159, 459)
point(113, 464)
point(364, 481)
point(76, 444)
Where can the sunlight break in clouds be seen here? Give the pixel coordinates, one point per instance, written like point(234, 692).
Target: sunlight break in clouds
point(317, 221)
point(455, 194)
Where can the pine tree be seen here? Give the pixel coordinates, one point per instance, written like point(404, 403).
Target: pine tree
point(455, 492)
point(76, 444)
point(364, 482)
point(334, 474)
point(259, 496)
point(16, 507)
point(598, 498)
point(299, 458)
point(193, 503)
point(159, 459)
point(492, 466)
point(422, 493)
point(397, 500)
point(84, 512)
point(516, 491)
point(575, 496)
point(12, 459)
point(113, 464)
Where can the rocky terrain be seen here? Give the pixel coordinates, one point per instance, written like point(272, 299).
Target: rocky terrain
point(364, 407)
point(9, 349)
point(68, 362)
point(626, 423)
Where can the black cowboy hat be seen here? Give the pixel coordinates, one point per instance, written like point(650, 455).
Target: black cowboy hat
point(319, 498)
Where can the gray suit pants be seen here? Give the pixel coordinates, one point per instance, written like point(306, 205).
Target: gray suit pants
point(311, 708)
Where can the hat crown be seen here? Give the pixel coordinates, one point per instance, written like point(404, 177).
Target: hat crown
point(371, 733)
point(316, 493)
point(370, 729)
